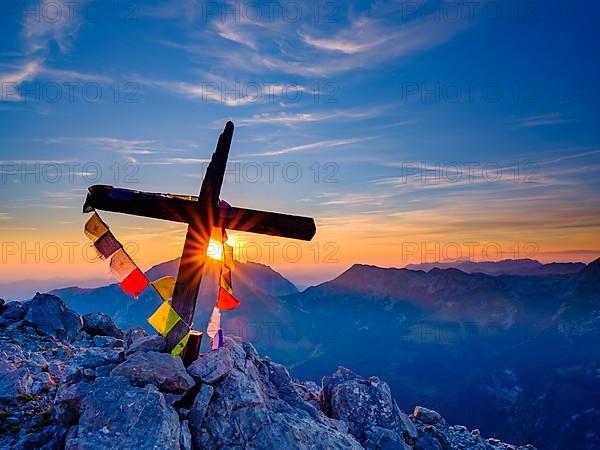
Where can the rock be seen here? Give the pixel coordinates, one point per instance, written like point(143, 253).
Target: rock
point(108, 341)
point(50, 315)
point(93, 357)
point(215, 365)
point(186, 436)
point(409, 429)
point(159, 369)
point(360, 403)
point(133, 334)
point(243, 407)
point(34, 440)
point(42, 382)
point(384, 439)
point(101, 324)
point(200, 404)
point(15, 383)
point(427, 416)
point(67, 403)
point(13, 311)
point(147, 344)
point(117, 415)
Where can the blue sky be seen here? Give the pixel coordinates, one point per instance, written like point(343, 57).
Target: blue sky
point(355, 94)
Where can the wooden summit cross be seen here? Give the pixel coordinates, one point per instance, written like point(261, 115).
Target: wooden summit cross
point(201, 213)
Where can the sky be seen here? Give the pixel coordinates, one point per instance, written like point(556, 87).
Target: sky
point(411, 131)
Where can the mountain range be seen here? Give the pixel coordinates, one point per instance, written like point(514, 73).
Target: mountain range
point(510, 348)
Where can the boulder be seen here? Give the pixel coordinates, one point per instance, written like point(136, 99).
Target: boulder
point(13, 311)
point(361, 403)
point(115, 414)
point(108, 341)
point(159, 369)
point(427, 416)
point(215, 365)
point(67, 403)
point(15, 383)
point(133, 334)
point(200, 404)
point(50, 315)
point(101, 324)
point(93, 357)
point(147, 344)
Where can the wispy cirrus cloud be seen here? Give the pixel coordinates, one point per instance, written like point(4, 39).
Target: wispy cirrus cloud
point(320, 145)
point(56, 25)
point(290, 119)
point(540, 120)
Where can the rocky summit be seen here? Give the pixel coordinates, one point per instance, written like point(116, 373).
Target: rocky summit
point(74, 382)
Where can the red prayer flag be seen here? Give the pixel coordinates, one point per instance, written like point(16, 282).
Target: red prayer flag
point(134, 283)
point(226, 301)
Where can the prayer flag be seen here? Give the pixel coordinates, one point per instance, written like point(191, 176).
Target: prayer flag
point(214, 322)
point(228, 255)
point(226, 301)
point(134, 283)
point(107, 244)
point(217, 341)
point(180, 345)
point(165, 287)
point(121, 265)
point(164, 319)
point(225, 280)
point(95, 227)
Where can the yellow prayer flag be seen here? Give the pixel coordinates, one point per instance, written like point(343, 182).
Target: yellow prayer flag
point(164, 319)
point(228, 255)
point(180, 345)
point(95, 227)
point(165, 287)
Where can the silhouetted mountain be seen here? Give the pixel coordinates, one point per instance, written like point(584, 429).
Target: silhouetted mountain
point(258, 285)
point(522, 267)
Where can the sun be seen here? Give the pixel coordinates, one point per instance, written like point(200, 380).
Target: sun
point(214, 250)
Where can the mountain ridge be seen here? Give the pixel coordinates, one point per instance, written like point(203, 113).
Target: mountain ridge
point(73, 382)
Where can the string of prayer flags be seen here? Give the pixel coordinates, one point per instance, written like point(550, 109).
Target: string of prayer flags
point(225, 299)
point(165, 287)
point(133, 281)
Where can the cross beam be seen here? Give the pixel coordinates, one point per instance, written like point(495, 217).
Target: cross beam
point(201, 213)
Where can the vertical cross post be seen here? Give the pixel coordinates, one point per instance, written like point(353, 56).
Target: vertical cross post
point(193, 258)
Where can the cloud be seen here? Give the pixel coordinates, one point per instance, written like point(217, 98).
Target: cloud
point(321, 145)
point(540, 120)
point(301, 48)
point(288, 119)
point(53, 22)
